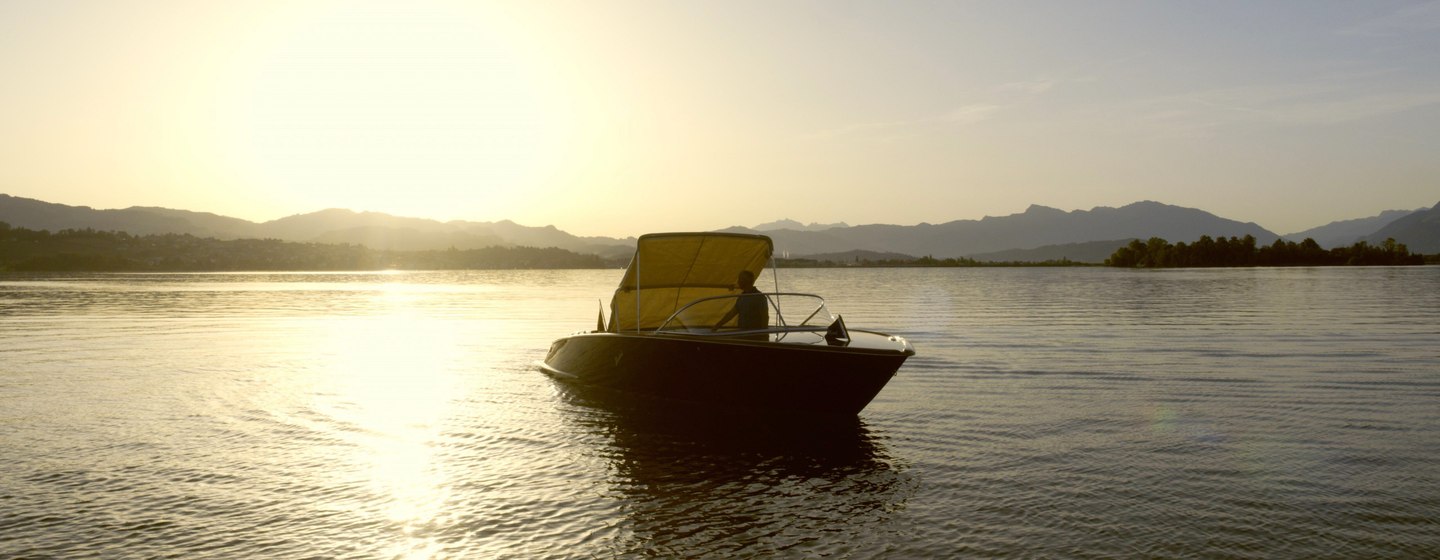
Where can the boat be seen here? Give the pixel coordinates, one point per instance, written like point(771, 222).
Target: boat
point(678, 330)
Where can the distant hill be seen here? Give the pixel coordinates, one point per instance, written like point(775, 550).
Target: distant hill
point(1347, 232)
point(1419, 231)
point(38, 215)
point(856, 256)
point(1038, 234)
point(370, 229)
point(410, 239)
point(797, 226)
point(1087, 252)
point(24, 249)
point(1037, 227)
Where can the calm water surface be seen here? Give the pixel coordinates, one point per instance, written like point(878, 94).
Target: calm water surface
point(1087, 413)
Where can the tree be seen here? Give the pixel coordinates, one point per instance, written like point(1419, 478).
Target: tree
point(1233, 251)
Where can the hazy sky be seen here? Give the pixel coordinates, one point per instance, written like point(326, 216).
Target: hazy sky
point(620, 118)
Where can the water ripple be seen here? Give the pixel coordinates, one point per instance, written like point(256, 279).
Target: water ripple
point(1087, 413)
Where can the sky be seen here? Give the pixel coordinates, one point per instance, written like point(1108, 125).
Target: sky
point(619, 118)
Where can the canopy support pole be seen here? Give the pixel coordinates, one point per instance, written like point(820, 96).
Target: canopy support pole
point(775, 274)
point(637, 287)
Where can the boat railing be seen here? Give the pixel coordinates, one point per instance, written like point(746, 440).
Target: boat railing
point(699, 316)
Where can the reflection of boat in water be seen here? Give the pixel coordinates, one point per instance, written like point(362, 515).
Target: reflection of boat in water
point(669, 335)
point(708, 482)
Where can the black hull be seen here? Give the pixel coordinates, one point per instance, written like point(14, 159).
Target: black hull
point(773, 378)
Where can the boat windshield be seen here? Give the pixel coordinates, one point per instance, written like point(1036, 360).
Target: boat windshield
point(787, 311)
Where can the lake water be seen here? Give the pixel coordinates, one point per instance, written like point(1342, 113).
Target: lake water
point(1089, 413)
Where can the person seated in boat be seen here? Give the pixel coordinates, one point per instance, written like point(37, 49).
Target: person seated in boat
point(751, 307)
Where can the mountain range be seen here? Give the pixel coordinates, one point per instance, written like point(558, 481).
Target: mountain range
point(1036, 227)
point(372, 229)
point(1039, 233)
point(1420, 231)
point(797, 226)
point(1347, 232)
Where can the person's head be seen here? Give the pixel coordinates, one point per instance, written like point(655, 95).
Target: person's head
point(746, 279)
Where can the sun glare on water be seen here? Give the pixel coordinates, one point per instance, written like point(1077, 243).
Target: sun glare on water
point(390, 389)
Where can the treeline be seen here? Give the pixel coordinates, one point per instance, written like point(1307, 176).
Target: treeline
point(105, 251)
point(925, 261)
point(1239, 252)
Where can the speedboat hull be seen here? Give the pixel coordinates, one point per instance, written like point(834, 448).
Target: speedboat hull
point(734, 372)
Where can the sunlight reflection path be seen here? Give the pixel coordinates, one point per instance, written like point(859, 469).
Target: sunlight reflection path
point(390, 388)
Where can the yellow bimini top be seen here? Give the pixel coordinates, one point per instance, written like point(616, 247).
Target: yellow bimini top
point(670, 270)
